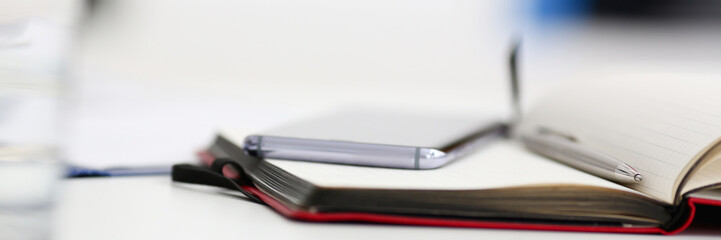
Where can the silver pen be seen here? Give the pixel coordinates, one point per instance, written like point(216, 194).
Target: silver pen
point(567, 150)
point(563, 148)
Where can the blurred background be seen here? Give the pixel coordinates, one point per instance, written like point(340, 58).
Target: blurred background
point(149, 82)
point(156, 79)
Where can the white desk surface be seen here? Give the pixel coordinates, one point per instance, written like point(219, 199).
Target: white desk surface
point(154, 208)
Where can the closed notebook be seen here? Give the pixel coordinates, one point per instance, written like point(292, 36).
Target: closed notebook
point(667, 129)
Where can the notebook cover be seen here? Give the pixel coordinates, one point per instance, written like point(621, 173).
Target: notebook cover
point(296, 214)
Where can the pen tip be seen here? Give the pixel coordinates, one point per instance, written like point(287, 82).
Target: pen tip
point(637, 178)
point(625, 173)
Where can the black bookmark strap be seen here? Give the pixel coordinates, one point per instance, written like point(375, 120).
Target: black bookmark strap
point(213, 176)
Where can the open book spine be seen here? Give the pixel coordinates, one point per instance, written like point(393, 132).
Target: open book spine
point(687, 215)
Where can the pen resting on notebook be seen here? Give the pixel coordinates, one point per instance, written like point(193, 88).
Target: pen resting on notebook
point(564, 149)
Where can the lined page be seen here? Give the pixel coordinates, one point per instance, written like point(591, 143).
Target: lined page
point(658, 124)
point(497, 165)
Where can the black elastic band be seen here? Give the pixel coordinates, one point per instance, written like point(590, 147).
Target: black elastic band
point(187, 173)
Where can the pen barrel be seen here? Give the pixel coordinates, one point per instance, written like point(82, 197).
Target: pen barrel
point(575, 155)
point(336, 152)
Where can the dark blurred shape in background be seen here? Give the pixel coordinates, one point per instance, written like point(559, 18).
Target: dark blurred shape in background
point(635, 10)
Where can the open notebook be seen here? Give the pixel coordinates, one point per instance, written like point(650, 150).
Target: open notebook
point(665, 128)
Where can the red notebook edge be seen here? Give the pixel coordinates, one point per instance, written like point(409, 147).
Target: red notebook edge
point(425, 221)
point(207, 159)
point(692, 204)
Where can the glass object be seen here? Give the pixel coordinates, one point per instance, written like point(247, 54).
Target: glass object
point(35, 39)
